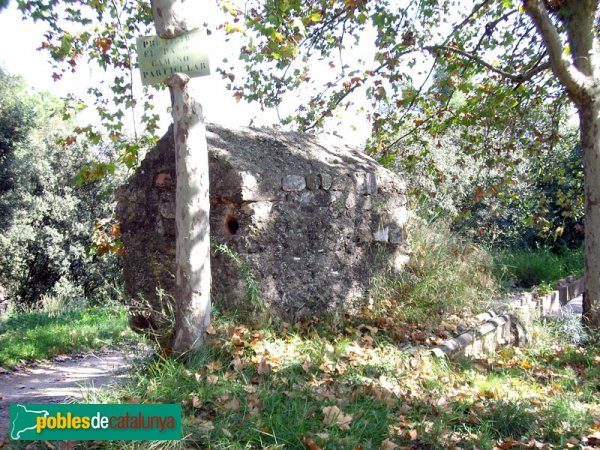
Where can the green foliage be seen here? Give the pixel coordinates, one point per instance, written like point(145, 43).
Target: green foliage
point(41, 334)
point(44, 246)
point(510, 418)
point(526, 268)
point(16, 120)
point(252, 286)
point(102, 32)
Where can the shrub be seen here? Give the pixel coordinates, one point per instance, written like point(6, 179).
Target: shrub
point(46, 239)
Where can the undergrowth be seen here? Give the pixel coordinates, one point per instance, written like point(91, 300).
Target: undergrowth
point(446, 275)
point(525, 268)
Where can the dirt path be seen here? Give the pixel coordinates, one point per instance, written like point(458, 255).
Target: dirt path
point(61, 379)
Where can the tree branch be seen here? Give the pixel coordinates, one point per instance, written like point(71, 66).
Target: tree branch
point(574, 81)
point(516, 77)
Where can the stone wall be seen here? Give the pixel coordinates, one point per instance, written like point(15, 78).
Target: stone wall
point(510, 322)
point(312, 219)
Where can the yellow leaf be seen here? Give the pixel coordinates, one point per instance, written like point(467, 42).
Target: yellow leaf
point(413, 435)
point(211, 329)
point(526, 365)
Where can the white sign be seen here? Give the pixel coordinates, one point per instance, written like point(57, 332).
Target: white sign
point(159, 58)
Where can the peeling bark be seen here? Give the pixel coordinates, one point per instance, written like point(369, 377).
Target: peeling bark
point(192, 204)
point(580, 75)
point(589, 117)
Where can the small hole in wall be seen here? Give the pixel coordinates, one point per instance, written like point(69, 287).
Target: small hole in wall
point(232, 224)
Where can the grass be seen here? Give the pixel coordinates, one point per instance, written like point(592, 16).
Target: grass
point(446, 275)
point(526, 268)
point(311, 386)
point(40, 335)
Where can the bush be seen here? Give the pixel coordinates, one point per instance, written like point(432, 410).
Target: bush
point(46, 240)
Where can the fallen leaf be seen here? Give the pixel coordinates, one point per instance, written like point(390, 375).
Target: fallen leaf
point(311, 444)
point(205, 425)
point(323, 436)
point(211, 330)
point(237, 364)
point(307, 364)
point(263, 367)
point(412, 434)
point(212, 379)
point(232, 405)
point(508, 444)
point(196, 403)
point(332, 415)
point(388, 445)
point(227, 433)
point(215, 365)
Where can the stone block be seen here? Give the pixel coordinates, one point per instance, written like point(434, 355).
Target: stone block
point(291, 183)
point(313, 182)
point(371, 182)
point(396, 236)
point(341, 183)
point(326, 181)
point(360, 183)
point(381, 234)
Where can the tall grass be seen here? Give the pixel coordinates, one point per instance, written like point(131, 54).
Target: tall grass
point(446, 275)
point(526, 268)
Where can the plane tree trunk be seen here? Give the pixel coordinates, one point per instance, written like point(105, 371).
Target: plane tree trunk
point(193, 278)
point(580, 75)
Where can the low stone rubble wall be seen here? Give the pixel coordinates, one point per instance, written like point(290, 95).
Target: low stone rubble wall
point(311, 220)
point(510, 322)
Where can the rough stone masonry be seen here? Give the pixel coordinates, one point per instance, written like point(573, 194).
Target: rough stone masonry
point(308, 220)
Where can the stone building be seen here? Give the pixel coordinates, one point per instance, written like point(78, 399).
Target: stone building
point(307, 222)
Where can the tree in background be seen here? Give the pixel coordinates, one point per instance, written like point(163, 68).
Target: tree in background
point(47, 236)
point(16, 120)
point(507, 58)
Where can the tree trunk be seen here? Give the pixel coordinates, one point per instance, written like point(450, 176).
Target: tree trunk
point(589, 122)
point(192, 258)
point(580, 75)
